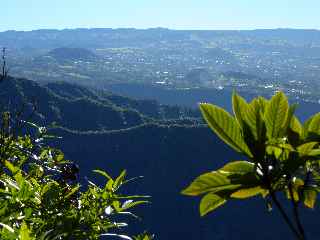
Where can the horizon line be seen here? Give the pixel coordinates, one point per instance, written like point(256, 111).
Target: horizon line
point(153, 28)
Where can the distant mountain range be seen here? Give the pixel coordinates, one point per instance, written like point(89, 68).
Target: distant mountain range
point(169, 146)
point(130, 37)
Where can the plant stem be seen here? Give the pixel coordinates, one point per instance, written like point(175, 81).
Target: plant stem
point(296, 212)
point(285, 216)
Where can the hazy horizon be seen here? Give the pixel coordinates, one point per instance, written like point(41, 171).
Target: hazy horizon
point(149, 28)
point(142, 14)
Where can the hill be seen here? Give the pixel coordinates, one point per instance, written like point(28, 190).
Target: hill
point(81, 109)
point(71, 54)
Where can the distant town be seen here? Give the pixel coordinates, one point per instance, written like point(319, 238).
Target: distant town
point(258, 61)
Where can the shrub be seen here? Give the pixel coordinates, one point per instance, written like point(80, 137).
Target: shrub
point(282, 155)
point(41, 198)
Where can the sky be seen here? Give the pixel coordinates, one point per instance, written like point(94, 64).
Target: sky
point(173, 14)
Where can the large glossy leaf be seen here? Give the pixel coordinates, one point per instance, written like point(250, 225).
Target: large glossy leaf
point(306, 148)
point(239, 106)
point(248, 115)
point(314, 126)
point(209, 182)
point(249, 192)
point(253, 118)
point(289, 119)
point(276, 113)
point(210, 202)
point(306, 127)
point(296, 126)
point(295, 132)
point(238, 167)
point(225, 126)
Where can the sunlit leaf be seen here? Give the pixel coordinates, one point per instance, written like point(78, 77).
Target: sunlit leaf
point(225, 126)
point(102, 173)
point(209, 182)
point(239, 106)
point(314, 126)
point(238, 167)
point(306, 148)
point(249, 192)
point(276, 114)
point(309, 197)
point(210, 202)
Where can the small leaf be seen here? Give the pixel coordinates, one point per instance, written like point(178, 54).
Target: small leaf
point(102, 173)
point(72, 191)
point(210, 202)
point(11, 167)
point(120, 179)
point(133, 204)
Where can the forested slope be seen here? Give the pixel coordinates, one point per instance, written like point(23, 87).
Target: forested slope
point(168, 151)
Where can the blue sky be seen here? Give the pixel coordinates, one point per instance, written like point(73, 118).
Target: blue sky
point(175, 14)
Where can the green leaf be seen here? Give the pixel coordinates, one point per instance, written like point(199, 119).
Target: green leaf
point(309, 197)
point(254, 118)
point(210, 202)
point(296, 187)
point(314, 153)
point(209, 182)
point(295, 132)
point(225, 126)
point(11, 167)
point(249, 192)
point(290, 117)
point(296, 126)
point(24, 232)
point(239, 106)
point(238, 167)
point(102, 173)
point(306, 127)
point(306, 148)
point(248, 116)
point(72, 191)
point(120, 179)
point(276, 114)
point(314, 126)
point(130, 204)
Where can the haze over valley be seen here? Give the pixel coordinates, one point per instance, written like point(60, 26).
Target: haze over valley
point(256, 61)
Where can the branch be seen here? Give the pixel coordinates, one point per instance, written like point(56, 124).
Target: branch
point(296, 212)
point(285, 216)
